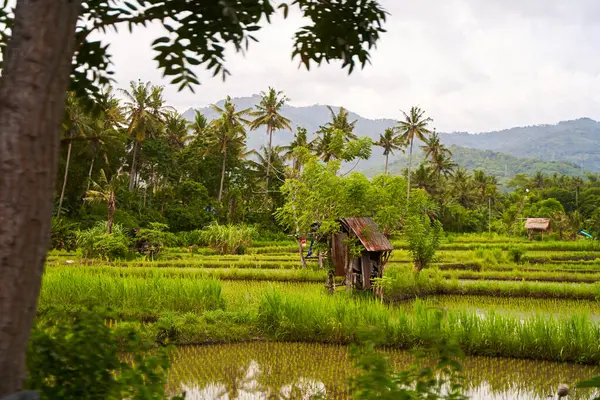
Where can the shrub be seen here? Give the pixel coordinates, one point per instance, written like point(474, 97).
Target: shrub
point(79, 356)
point(228, 239)
point(515, 254)
point(423, 239)
point(63, 234)
point(151, 240)
point(96, 243)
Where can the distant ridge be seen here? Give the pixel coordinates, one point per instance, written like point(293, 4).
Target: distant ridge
point(576, 141)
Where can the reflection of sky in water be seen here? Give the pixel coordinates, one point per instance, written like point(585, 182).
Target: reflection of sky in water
point(298, 371)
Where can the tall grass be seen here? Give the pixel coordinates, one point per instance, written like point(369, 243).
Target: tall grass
point(401, 283)
point(228, 239)
point(75, 288)
point(340, 320)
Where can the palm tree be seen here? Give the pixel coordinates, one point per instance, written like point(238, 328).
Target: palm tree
point(199, 126)
point(389, 141)
point(103, 191)
point(462, 187)
point(414, 126)
point(300, 140)
point(76, 123)
point(268, 114)
point(229, 128)
point(433, 148)
point(539, 180)
point(442, 165)
point(577, 182)
point(262, 164)
point(176, 130)
point(340, 121)
point(145, 111)
point(105, 127)
point(422, 178)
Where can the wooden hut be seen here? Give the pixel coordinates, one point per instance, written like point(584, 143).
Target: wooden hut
point(374, 247)
point(537, 225)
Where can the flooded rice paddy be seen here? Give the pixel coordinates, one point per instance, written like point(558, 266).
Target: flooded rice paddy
point(271, 370)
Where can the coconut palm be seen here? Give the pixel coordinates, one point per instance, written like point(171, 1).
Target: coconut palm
point(442, 165)
point(229, 129)
point(200, 125)
point(423, 178)
point(105, 128)
point(433, 148)
point(103, 191)
point(414, 126)
point(578, 183)
point(268, 114)
point(76, 124)
point(389, 141)
point(145, 110)
point(340, 121)
point(176, 130)
point(261, 164)
point(300, 140)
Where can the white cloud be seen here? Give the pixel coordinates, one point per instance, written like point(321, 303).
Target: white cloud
point(471, 64)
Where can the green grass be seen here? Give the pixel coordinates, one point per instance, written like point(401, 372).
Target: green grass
point(75, 288)
point(402, 283)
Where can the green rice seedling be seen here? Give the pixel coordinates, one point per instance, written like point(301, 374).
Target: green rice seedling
point(75, 288)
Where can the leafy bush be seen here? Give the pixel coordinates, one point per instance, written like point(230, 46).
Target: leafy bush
point(151, 240)
point(79, 356)
point(515, 254)
point(228, 239)
point(96, 243)
point(423, 239)
point(63, 234)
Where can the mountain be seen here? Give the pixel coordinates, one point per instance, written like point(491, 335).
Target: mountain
point(502, 166)
point(576, 141)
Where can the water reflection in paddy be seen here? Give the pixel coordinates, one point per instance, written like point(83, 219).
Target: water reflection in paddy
point(265, 370)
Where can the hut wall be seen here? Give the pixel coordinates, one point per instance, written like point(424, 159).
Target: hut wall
point(339, 253)
point(367, 268)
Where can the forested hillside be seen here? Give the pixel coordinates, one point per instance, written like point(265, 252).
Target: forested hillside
point(500, 165)
point(576, 141)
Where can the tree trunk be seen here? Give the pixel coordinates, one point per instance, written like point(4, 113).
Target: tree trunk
point(409, 166)
point(132, 172)
point(223, 175)
point(386, 163)
point(32, 99)
point(91, 167)
point(112, 207)
point(269, 163)
point(64, 185)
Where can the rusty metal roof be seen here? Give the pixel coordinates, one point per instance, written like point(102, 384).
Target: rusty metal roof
point(537, 223)
point(367, 232)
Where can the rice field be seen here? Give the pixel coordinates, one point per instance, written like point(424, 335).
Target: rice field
point(514, 320)
point(298, 370)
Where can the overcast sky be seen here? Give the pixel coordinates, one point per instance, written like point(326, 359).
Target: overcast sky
point(473, 65)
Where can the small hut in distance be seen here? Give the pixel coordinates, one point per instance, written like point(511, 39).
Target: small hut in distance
point(375, 251)
point(537, 225)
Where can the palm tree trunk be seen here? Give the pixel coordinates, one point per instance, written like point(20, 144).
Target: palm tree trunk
point(269, 163)
point(132, 172)
point(112, 207)
point(91, 169)
point(386, 163)
point(409, 167)
point(222, 175)
point(64, 185)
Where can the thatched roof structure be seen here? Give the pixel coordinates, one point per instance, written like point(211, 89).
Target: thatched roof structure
point(537, 224)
